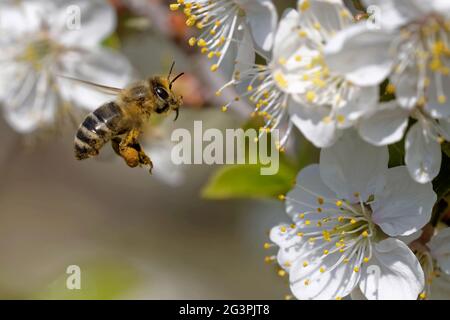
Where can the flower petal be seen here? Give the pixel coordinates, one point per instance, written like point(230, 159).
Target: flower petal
point(440, 249)
point(312, 122)
point(403, 206)
point(405, 83)
point(361, 54)
point(393, 273)
point(386, 126)
point(359, 101)
point(262, 17)
point(353, 166)
point(34, 106)
point(307, 191)
point(18, 18)
point(97, 21)
point(423, 154)
point(438, 99)
point(396, 13)
point(331, 15)
point(324, 277)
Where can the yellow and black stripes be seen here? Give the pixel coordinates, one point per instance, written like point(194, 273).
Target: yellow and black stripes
point(97, 129)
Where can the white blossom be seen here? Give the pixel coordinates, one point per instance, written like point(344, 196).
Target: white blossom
point(322, 103)
point(40, 47)
point(410, 46)
point(224, 25)
point(346, 213)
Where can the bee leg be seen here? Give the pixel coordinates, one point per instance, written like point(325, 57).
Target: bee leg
point(115, 143)
point(143, 158)
point(126, 150)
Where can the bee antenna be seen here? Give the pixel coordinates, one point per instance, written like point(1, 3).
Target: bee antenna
point(175, 79)
point(171, 69)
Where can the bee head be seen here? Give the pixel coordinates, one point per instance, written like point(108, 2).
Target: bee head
point(166, 100)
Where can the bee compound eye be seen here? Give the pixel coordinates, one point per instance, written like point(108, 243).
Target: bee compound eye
point(161, 93)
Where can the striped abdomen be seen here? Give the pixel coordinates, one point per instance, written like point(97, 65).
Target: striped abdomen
point(97, 129)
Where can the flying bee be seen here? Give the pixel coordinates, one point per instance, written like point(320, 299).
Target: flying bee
point(121, 121)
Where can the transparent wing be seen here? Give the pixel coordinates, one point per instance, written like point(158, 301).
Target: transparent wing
point(105, 89)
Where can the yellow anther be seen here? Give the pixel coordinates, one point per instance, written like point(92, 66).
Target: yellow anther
point(317, 26)
point(307, 222)
point(344, 13)
point(192, 41)
point(214, 67)
point(307, 282)
point(174, 6)
point(201, 43)
point(304, 5)
point(320, 200)
point(267, 245)
point(423, 296)
point(365, 234)
point(191, 21)
point(322, 269)
point(181, 2)
point(340, 118)
point(283, 229)
point(327, 119)
point(298, 58)
point(224, 108)
point(269, 259)
point(300, 234)
point(356, 269)
point(199, 25)
point(287, 264)
point(339, 203)
point(280, 80)
point(249, 88)
point(356, 194)
point(319, 210)
point(353, 221)
point(442, 99)
point(390, 88)
point(325, 252)
point(310, 96)
point(305, 264)
point(211, 55)
point(346, 260)
point(281, 197)
point(281, 273)
point(282, 61)
point(366, 260)
point(338, 298)
point(204, 50)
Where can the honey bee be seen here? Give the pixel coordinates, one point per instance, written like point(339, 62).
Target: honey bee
point(121, 121)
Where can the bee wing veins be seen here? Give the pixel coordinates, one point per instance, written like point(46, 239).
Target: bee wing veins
point(105, 89)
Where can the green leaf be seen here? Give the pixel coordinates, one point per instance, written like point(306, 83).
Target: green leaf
point(246, 181)
point(113, 42)
point(446, 148)
point(397, 154)
point(99, 281)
